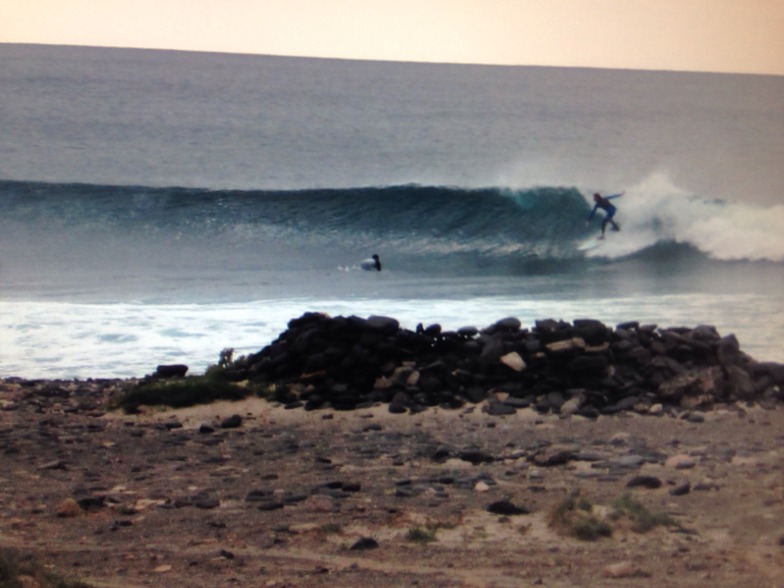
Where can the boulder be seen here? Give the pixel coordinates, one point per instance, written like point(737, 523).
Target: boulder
point(171, 371)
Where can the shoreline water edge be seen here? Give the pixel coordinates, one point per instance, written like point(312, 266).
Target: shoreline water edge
point(581, 367)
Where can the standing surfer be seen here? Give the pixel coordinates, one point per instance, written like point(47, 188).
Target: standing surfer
point(609, 209)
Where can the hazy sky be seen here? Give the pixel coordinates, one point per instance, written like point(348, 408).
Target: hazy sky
point(705, 35)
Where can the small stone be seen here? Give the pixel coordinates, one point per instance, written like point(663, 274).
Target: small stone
point(397, 408)
point(705, 486)
point(680, 462)
point(553, 457)
point(481, 486)
point(650, 482)
point(207, 503)
point(513, 361)
point(498, 409)
point(319, 503)
point(258, 495)
point(92, 502)
point(476, 457)
point(620, 438)
point(629, 461)
point(681, 489)
point(231, 422)
point(572, 405)
point(365, 543)
point(506, 508)
point(68, 508)
point(271, 505)
point(622, 569)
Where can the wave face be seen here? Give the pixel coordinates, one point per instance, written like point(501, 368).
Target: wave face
point(425, 227)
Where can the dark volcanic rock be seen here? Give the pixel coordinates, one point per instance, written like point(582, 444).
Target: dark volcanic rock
point(475, 457)
point(504, 507)
point(650, 482)
point(348, 362)
point(171, 371)
point(364, 543)
point(231, 422)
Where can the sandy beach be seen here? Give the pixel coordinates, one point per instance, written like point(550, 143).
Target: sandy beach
point(247, 493)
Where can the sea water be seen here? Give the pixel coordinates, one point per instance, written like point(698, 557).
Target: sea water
point(158, 207)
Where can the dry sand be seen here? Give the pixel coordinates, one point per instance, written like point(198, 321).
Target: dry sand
point(287, 498)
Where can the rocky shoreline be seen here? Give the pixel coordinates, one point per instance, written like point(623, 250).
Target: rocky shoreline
point(415, 474)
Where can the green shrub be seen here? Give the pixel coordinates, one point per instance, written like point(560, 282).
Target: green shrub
point(180, 393)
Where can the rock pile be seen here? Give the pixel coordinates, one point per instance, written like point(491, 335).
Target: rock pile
point(583, 367)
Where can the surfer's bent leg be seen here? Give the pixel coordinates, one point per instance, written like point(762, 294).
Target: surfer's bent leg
point(609, 219)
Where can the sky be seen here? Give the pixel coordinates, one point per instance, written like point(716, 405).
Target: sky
point(740, 36)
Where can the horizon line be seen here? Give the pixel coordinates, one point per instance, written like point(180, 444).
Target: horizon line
point(398, 61)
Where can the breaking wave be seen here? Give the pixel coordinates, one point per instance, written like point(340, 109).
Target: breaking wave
point(488, 225)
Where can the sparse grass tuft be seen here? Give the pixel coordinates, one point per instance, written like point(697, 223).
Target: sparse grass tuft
point(642, 519)
point(573, 516)
point(426, 534)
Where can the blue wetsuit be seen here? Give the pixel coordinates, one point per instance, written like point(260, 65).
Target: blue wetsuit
point(610, 210)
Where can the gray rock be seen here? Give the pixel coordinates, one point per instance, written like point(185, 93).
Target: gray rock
point(681, 489)
point(231, 422)
point(650, 482)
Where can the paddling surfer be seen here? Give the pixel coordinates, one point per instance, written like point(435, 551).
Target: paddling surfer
point(372, 264)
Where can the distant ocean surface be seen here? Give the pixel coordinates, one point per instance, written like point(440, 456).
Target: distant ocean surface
point(158, 207)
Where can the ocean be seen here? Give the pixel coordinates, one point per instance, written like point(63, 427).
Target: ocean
point(161, 206)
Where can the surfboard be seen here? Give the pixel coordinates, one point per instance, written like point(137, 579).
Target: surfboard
point(590, 244)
